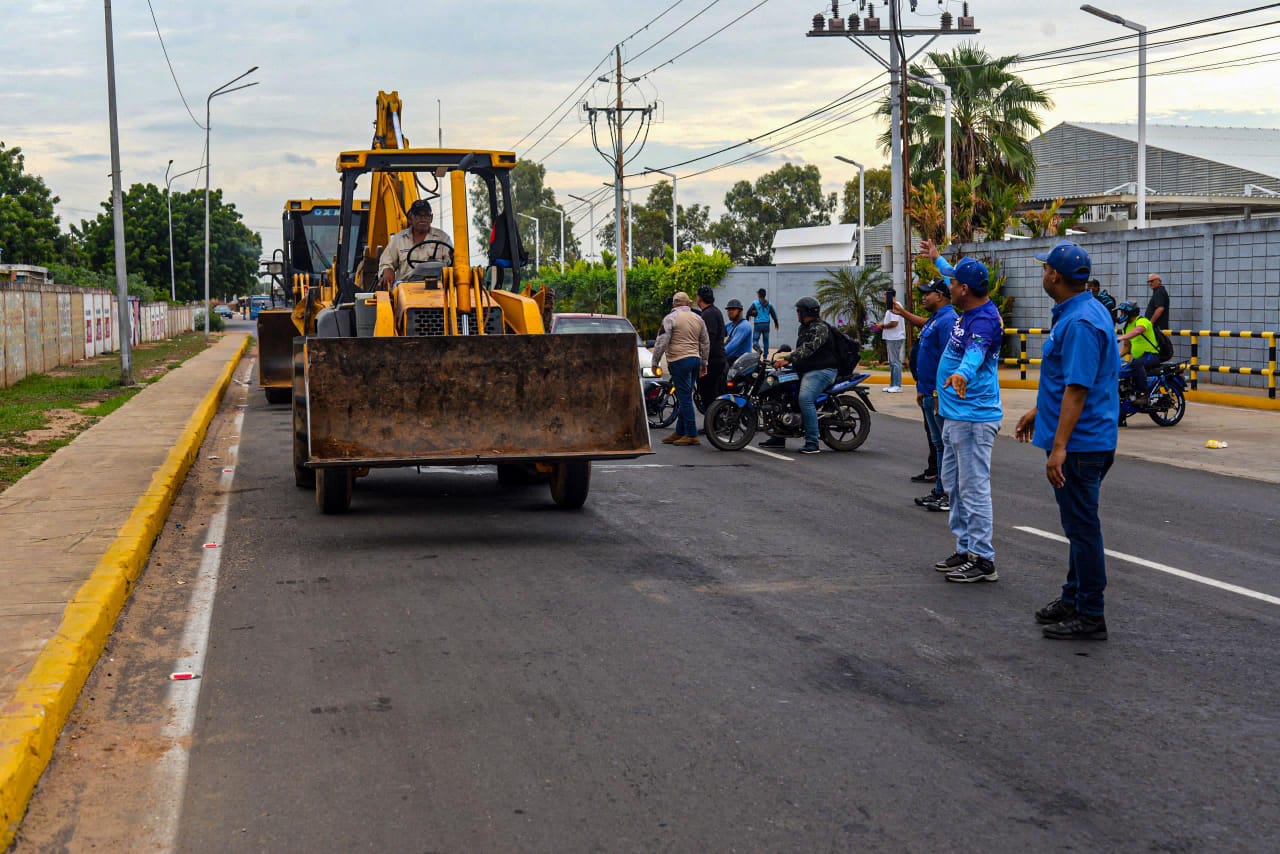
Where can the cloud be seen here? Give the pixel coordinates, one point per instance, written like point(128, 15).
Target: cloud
point(298, 159)
point(92, 157)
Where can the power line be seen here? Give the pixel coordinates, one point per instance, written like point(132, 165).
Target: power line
point(1239, 62)
point(573, 94)
point(651, 22)
point(687, 22)
point(705, 40)
point(165, 51)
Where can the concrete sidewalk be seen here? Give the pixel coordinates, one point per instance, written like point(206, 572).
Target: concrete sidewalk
point(76, 533)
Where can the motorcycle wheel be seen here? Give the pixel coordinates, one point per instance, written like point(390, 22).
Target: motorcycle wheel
point(728, 427)
point(1172, 404)
point(849, 428)
point(662, 411)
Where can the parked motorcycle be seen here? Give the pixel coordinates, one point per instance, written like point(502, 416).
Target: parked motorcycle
point(762, 398)
point(660, 400)
point(1166, 402)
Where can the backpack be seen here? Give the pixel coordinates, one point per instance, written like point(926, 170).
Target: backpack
point(848, 351)
point(1163, 343)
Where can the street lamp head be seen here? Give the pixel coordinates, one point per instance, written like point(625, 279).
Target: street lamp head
point(1106, 16)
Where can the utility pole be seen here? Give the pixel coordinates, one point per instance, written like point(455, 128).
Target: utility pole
point(117, 215)
point(859, 31)
point(616, 116)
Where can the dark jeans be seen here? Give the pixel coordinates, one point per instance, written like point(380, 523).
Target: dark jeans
point(712, 385)
point(1078, 508)
point(683, 373)
point(759, 336)
point(933, 427)
point(1138, 370)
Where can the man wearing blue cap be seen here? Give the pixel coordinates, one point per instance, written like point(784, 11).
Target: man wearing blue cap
point(1076, 422)
point(968, 391)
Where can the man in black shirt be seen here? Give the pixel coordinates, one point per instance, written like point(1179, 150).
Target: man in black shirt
point(1158, 305)
point(711, 385)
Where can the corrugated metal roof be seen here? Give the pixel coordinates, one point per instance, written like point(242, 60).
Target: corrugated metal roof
point(1254, 149)
point(818, 235)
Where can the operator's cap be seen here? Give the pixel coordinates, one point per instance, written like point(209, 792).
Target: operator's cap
point(680, 298)
point(1068, 259)
point(420, 206)
point(733, 303)
point(937, 286)
point(972, 273)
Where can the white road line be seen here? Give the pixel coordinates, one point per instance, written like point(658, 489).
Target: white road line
point(1160, 567)
point(754, 449)
point(183, 697)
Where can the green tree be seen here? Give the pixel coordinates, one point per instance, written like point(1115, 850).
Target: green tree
point(878, 184)
point(651, 225)
point(788, 197)
point(29, 232)
point(846, 295)
point(530, 192)
point(234, 249)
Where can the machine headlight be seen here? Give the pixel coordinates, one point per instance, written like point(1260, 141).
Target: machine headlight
point(649, 373)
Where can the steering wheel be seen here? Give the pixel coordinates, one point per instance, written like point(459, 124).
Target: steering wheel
point(435, 252)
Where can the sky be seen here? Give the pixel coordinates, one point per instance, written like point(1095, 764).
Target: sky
point(498, 70)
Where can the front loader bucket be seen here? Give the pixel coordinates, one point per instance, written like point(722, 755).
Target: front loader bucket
point(450, 400)
point(275, 348)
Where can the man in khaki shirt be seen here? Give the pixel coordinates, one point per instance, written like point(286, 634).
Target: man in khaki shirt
point(687, 346)
point(393, 264)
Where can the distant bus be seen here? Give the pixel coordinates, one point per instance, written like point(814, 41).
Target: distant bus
point(257, 304)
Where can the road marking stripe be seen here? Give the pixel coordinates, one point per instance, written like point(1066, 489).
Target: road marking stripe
point(754, 449)
point(183, 697)
point(1160, 567)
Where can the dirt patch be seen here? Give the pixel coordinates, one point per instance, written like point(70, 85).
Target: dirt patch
point(59, 424)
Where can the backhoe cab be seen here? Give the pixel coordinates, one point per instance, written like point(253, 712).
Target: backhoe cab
point(450, 365)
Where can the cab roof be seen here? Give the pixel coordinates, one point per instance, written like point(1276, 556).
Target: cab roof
point(424, 160)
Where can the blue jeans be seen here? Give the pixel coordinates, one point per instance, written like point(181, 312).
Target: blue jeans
point(893, 349)
point(1138, 369)
point(1078, 509)
point(758, 331)
point(812, 384)
point(683, 373)
point(966, 477)
point(933, 423)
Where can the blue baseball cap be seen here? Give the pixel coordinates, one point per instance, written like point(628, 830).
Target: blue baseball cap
point(972, 273)
point(1069, 259)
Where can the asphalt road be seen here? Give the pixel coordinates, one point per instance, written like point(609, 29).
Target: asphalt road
point(723, 651)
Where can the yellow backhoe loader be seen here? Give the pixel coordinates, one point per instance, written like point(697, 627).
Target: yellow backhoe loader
point(307, 284)
point(450, 364)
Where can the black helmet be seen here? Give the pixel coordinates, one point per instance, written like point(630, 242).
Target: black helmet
point(733, 303)
point(1126, 311)
point(706, 294)
point(808, 306)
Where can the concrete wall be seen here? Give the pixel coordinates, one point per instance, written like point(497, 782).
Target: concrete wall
point(44, 326)
point(1220, 276)
point(784, 284)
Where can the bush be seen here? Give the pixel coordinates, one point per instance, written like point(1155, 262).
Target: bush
point(216, 323)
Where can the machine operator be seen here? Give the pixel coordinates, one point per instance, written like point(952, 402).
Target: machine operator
point(394, 265)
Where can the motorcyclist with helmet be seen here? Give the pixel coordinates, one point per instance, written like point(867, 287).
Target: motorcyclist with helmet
point(1139, 341)
point(738, 332)
point(815, 360)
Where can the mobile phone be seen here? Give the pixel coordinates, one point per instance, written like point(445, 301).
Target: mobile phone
point(889, 296)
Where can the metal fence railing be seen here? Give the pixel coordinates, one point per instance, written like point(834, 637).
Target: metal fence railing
point(1193, 365)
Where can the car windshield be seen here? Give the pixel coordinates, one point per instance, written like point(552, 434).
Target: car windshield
point(594, 324)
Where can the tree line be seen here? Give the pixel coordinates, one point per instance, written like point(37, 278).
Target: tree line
point(31, 233)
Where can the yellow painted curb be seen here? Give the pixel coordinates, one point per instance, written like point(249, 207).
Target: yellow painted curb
point(32, 720)
point(1221, 398)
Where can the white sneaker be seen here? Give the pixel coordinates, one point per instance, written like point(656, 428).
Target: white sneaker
point(893, 389)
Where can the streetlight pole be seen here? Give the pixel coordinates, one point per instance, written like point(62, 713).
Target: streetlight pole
point(631, 244)
point(221, 90)
point(946, 94)
point(537, 242)
point(117, 214)
point(168, 182)
point(591, 215)
point(675, 229)
point(561, 212)
point(862, 209)
point(1142, 102)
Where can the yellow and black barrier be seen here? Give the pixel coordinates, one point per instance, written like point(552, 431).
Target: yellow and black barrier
point(1194, 365)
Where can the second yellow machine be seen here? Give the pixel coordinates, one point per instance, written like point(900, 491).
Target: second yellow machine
point(450, 363)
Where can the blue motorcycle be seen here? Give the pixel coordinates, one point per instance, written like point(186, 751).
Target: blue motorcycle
point(762, 398)
point(1165, 403)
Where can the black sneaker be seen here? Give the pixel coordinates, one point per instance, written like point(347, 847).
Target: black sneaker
point(956, 560)
point(925, 499)
point(811, 449)
point(1078, 627)
point(975, 569)
point(1055, 612)
point(925, 477)
point(940, 504)
point(774, 442)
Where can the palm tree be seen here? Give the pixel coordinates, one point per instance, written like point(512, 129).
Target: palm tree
point(846, 294)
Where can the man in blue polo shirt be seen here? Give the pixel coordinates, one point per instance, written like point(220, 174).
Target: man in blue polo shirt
point(968, 391)
point(935, 329)
point(1075, 422)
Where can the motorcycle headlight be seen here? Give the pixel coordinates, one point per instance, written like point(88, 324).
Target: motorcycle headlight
point(650, 373)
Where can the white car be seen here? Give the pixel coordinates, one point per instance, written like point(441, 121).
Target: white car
point(577, 324)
